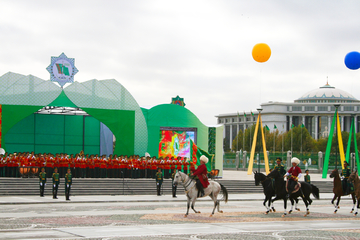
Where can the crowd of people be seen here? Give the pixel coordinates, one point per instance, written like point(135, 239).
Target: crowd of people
point(90, 166)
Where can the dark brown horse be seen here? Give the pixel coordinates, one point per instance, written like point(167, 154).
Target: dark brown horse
point(338, 191)
point(354, 179)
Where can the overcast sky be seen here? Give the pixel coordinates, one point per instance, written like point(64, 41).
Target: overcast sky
point(199, 50)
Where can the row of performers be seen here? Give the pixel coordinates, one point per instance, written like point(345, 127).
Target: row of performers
point(91, 166)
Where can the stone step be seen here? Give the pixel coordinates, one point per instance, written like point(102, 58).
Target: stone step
point(112, 186)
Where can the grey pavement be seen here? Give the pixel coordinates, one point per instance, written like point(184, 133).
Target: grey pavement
point(162, 217)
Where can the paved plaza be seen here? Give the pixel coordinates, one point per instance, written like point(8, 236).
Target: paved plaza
point(162, 217)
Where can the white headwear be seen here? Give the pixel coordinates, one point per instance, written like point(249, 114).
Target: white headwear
point(295, 160)
point(204, 159)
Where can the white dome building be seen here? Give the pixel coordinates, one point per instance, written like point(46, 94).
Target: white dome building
point(326, 94)
point(314, 109)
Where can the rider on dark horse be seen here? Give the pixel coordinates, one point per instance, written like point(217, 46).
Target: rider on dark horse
point(346, 174)
point(293, 175)
point(201, 173)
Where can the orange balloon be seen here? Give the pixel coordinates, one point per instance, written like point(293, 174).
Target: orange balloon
point(261, 52)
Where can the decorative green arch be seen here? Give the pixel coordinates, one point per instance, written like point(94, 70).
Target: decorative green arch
point(107, 101)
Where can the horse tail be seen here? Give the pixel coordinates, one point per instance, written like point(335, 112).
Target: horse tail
point(315, 191)
point(225, 193)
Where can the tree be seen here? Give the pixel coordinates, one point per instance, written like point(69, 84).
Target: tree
point(226, 145)
point(237, 143)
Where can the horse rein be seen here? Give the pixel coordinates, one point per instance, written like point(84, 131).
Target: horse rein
point(187, 184)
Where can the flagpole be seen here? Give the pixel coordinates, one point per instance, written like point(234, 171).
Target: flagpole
point(244, 138)
point(282, 143)
point(274, 141)
point(259, 110)
point(337, 139)
point(237, 139)
point(301, 140)
point(291, 142)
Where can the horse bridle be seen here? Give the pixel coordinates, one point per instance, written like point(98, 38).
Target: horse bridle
point(186, 184)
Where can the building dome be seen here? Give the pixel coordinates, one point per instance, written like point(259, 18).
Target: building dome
point(327, 93)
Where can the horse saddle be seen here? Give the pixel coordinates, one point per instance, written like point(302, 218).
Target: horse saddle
point(296, 188)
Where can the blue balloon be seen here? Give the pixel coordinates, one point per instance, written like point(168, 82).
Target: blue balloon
point(352, 60)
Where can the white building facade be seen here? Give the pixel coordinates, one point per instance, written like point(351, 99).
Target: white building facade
point(314, 109)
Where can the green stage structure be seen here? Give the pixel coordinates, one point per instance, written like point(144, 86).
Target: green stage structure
point(135, 129)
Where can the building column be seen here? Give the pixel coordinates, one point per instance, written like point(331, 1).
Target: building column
point(303, 120)
point(355, 125)
point(290, 122)
point(329, 124)
point(316, 127)
point(231, 126)
point(342, 123)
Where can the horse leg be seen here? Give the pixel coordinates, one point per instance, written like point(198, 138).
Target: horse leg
point(307, 206)
point(354, 202)
point(285, 202)
point(272, 205)
point(296, 203)
point(292, 205)
point(357, 206)
point(188, 206)
point(337, 204)
point(267, 207)
point(216, 204)
point(193, 205)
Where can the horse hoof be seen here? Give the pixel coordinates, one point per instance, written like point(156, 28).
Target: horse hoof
point(221, 211)
point(283, 215)
point(351, 211)
point(298, 209)
point(185, 215)
point(305, 215)
point(355, 213)
point(267, 212)
point(211, 215)
point(290, 211)
point(335, 212)
point(274, 210)
point(198, 212)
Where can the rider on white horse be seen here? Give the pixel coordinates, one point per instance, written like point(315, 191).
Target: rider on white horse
point(201, 173)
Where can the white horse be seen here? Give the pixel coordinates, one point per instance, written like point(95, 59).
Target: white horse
point(191, 191)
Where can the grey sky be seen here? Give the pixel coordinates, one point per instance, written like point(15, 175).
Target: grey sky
point(199, 50)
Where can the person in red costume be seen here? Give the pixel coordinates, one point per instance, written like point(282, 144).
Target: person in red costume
point(294, 173)
point(201, 173)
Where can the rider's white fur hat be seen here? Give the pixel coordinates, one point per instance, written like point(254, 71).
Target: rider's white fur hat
point(204, 159)
point(295, 160)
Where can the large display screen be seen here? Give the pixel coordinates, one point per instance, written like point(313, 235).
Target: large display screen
point(175, 142)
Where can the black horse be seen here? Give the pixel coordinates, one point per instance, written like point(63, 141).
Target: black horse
point(304, 192)
point(269, 191)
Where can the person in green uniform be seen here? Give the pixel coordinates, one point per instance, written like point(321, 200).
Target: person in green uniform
point(159, 180)
point(56, 182)
point(280, 167)
point(173, 187)
point(307, 176)
point(42, 181)
point(68, 183)
point(345, 173)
